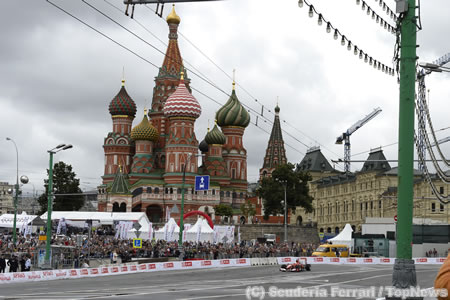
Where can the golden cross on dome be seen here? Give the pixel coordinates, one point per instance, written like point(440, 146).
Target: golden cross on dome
point(234, 81)
point(182, 75)
point(123, 76)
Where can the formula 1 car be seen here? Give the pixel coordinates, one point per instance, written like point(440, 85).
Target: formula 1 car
point(299, 266)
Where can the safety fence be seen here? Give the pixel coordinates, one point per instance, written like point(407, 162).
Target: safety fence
point(197, 264)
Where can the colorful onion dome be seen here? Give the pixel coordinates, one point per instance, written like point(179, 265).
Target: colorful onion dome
point(173, 17)
point(203, 146)
point(215, 136)
point(181, 103)
point(233, 113)
point(122, 104)
point(145, 131)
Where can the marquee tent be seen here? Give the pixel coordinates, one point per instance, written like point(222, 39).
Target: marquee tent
point(200, 232)
point(344, 237)
point(170, 232)
point(7, 220)
point(102, 218)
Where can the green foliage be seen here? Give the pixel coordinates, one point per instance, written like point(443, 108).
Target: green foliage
point(64, 182)
point(223, 210)
point(248, 209)
point(297, 190)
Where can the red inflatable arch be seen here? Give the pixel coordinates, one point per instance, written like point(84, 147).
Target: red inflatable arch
point(197, 212)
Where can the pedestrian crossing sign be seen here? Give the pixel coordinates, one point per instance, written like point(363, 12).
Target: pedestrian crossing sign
point(137, 243)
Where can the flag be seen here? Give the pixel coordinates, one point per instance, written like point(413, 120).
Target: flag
point(150, 231)
point(199, 232)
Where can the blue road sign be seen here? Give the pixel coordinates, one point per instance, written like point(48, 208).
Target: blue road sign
point(137, 243)
point(202, 183)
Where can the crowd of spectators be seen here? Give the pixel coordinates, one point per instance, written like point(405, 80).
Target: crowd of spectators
point(103, 246)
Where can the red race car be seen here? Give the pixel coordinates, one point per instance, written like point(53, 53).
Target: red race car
point(299, 266)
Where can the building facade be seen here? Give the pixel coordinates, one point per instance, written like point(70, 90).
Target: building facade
point(342, 198)
point(146, 165)
point(6, 199)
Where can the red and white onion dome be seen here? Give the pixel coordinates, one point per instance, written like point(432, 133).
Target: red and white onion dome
point(181, 103)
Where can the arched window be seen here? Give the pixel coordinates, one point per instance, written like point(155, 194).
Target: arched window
point(156, 190)
point(149, 190)
point(228, 194)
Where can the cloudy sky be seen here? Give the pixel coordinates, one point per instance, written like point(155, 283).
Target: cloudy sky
point(58, 76)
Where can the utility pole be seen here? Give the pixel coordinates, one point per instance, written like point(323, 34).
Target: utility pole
point(404, 274)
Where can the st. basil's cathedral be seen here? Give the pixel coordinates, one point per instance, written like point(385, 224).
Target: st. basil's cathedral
point(144, 164)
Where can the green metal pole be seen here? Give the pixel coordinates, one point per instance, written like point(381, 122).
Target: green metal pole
point(49, 209)
point(406, 132)
point(15, 213)
point(180, 240)
point(404, 273)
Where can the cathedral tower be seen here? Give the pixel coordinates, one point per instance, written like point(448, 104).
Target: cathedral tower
point(275, 152)
point(166, 82)
point(233, 119)
point(118, 145)
point(181, 109)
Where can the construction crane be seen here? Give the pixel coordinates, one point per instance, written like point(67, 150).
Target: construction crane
point(346, 136)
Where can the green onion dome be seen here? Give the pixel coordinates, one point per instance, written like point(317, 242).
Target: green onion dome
point(203, 146)
point(145, 131)
point(122, 104)
point(277, 108)
point(233, 113)
point(215, 136)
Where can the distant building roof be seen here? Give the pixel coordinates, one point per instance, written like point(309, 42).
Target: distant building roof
point(336, 179)
point(314, 161)
point(376, 162)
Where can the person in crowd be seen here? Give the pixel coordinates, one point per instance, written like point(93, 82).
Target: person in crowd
point(22, 263)
point(2, 264)
point(13, 264)
point(28, 264)
point(85, 264)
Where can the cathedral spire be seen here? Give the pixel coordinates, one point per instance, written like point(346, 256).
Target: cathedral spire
point(275, 153)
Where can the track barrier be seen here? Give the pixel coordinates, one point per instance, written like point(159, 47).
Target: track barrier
point(196, 264)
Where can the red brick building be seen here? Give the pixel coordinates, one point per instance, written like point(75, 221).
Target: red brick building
point(144, 165)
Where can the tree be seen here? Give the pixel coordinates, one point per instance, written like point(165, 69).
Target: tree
point(64, 182)
point(297, 190)
point(223, 210)
point(248, 209)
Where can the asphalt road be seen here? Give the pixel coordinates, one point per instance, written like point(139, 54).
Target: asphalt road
point(263, 282)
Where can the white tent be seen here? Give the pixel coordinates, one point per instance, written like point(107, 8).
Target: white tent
point(170, 232)
point(7, 220)
point(200, 232)
point(344, 237)
point(103, 218)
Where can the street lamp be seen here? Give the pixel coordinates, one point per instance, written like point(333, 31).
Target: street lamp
point(24, 180)
point(58, 148)
point(284, 183)
point(180, 238)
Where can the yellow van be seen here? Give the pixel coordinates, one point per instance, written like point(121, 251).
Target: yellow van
point(329, 250)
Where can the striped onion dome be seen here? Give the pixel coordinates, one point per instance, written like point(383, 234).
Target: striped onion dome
point(181, 103)
point(233, 113)
point(215, 136)
point(122, 104)
point(144, 131)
